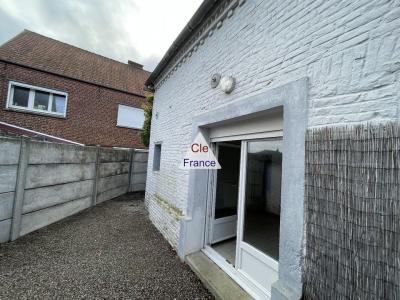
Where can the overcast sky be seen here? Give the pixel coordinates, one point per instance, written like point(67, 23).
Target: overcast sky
point(139, 30)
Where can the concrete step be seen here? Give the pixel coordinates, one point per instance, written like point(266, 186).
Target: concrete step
point(214, 279)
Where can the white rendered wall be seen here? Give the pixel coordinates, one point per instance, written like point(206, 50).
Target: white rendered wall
point(350, 50)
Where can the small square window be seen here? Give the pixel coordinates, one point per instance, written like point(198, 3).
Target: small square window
point(21, 96)
point(157, 157)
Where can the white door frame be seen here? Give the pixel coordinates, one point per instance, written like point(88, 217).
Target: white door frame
point(241, 203)
point(248, 283)
point(292, 97)
point(212, 175)
point(212, 190)
point(270, 265)
point(211, 202)
point(274, 264)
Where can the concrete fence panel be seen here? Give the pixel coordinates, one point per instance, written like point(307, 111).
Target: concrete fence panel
point(42, 182)
point(115, 155)
point(8, 176)
point(112, 182)
point(6, 205)
point(9, 151)
point(139, 171)
point(5, 228)
point(140, 167)
point(40, 198)
point(109, 194)
point(113, 175)
point(9, 158)
point(114, 168)
point(41, 218)
point(51, 153)
point(44, 175)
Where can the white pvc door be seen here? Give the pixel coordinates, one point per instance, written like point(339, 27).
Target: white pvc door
point(224, 221)
point(257, 249)
point(255, 221)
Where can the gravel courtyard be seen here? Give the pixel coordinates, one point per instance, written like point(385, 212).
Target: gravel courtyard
point(109, 251)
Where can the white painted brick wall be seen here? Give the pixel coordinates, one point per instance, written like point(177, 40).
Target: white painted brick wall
point(350, 50)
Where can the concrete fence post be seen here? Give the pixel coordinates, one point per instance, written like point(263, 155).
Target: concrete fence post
point(20, 189)
point(96, 176)
point(132, 162)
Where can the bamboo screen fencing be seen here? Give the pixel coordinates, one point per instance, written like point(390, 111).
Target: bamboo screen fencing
point(352, 213)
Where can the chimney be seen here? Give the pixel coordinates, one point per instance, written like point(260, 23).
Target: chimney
point(135, 64)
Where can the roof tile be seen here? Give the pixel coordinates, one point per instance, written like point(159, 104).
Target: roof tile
point(37, 51)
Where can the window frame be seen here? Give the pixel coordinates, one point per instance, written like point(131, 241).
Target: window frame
point(157, 145)
point(132, 107)
point(30, 109)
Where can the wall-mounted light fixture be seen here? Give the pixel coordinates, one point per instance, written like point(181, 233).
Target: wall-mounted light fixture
point(227, 84)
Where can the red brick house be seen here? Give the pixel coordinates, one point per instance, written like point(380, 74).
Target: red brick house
point(60, 92)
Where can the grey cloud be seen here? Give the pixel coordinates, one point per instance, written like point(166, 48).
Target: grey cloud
point(9, 26)
point(151, 62)
point(94, 25)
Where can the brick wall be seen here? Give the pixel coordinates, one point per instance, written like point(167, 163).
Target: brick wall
point(350, 50)
point(91, 110)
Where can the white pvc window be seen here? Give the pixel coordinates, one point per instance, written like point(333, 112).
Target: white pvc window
point(130, 117)
point(35, 99)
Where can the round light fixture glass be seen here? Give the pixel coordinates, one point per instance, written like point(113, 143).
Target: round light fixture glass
point(227, 84)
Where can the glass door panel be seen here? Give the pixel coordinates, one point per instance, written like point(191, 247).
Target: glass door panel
point(227, 179)
point(263, 196)
point(257, 252)
point(224, 221)
point(245, 214)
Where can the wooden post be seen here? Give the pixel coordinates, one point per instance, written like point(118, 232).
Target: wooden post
point(20, 189)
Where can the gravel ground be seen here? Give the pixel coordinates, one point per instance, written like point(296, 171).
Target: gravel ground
point(109, 251)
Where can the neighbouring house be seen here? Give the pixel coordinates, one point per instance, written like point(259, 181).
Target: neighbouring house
point(300, 102)
point(54, 91)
